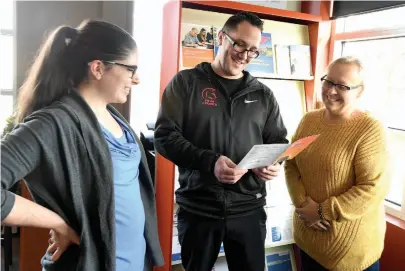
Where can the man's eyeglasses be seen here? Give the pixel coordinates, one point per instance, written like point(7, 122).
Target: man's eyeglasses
point(240, 49)
point(329, 84)
point(131, 68)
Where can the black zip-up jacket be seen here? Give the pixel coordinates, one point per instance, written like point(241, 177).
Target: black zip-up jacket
point(198, 121)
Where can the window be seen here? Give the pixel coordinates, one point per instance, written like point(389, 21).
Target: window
point(6, 61)
point(384, 95)
point(390, 18)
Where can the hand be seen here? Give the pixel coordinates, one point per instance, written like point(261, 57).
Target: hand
point(267, 173)
point(321, 225)
point(60, 239)
point(309, 212)
point(226, 172)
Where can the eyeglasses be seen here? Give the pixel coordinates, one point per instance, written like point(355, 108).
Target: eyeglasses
point(240, 49)
point(131, 68)
point(329, 84)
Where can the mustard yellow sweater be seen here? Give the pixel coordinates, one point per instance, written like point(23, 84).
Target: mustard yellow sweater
point(344, 170)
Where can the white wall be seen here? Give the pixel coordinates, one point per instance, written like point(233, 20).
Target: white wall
point(148, 24)
point(34, 19)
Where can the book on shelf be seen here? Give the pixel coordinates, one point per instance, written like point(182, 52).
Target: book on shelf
point(300, 60)
point(197, 44)
point(264, 64)
point(282, 56)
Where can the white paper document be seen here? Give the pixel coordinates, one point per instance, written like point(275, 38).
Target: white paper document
point(262, 155)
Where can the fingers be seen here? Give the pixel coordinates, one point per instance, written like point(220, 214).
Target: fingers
point(229, 162)
point(232, 171)
point(316, 227)
point(326, 223)
point(267, 173)
point(229, 179)
point(226, 171)
point(265, 177)
point(273, 168)
point(52, 248)
point(319, 226)
point(57, 254)
point(270, 170)
point(231, 168)
point(229, 175)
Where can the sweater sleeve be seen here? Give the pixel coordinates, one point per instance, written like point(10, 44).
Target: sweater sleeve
point(21, 153)
point(371, 183)
point(295, 186)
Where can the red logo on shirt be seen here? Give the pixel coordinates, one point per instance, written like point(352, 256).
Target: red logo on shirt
point(209, 96)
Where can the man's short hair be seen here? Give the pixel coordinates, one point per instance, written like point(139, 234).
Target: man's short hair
point(244, 16)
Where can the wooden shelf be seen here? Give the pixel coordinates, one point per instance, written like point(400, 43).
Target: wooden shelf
point(283, 77)
point(274, 76)
point(268, 13)
point(279, 244)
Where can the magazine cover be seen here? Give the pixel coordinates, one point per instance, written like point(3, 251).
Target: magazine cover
point(264, 63)
point(280, 261)
point(197, 45)
point(300, 57)
point(216, 30)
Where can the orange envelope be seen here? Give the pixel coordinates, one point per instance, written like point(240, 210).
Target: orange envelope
point(295, 148)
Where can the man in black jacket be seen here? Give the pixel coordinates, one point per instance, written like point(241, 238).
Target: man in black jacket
point(210, 117)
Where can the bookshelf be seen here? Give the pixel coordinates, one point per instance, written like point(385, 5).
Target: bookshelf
point(231, 7)
point(286, 77)
point(319, 30)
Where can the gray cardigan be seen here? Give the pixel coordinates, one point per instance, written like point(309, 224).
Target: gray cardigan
point(63, 156)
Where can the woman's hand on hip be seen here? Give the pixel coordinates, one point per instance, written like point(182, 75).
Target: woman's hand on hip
point(60, 239)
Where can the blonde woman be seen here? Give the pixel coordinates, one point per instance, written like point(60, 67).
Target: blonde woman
point(337, 184)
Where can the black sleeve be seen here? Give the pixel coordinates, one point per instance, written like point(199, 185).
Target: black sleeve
point(169, 139)
point(21, 153)
point(274, 131)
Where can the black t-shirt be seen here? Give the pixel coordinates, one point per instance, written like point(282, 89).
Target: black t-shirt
point(231, 85)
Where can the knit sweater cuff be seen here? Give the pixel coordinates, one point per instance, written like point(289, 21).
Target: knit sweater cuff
point(327, 210)
point(300, 201)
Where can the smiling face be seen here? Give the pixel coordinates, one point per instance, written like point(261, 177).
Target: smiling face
point(114, 81)
point(341, 102)
point(246, 35)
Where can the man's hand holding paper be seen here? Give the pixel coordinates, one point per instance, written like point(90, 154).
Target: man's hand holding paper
point(267, 173)
point(226, 172)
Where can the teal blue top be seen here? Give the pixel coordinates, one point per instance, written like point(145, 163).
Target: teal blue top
point(129, 210)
